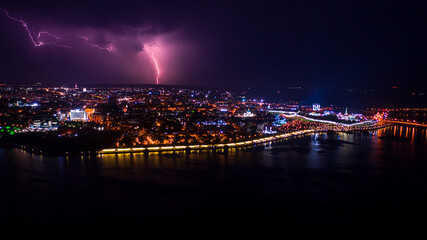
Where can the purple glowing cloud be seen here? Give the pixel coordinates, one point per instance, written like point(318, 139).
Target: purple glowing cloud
point(38, 39)
point(132, 52)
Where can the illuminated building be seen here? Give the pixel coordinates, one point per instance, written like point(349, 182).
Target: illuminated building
point(316, 107)
point(89, 113)
point(78, 115)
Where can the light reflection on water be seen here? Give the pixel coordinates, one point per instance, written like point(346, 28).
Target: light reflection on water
point(337, 152)
point(318, 180)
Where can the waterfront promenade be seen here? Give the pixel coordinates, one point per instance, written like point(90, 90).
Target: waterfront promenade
point(318, 128)
point(247, 143)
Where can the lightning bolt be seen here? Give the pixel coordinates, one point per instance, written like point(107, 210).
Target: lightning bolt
point(49, 34)
point(36, 42)
point(151, 52)
point(157, 68)
point(36, 38)
point(42, 38)
point(109, 48)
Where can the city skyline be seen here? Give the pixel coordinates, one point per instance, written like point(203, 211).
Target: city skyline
point(124, 119)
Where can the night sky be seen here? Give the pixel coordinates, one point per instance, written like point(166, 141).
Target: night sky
point(229, 44)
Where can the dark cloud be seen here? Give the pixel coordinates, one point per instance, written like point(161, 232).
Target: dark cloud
point(114, 54)
point(243, 43)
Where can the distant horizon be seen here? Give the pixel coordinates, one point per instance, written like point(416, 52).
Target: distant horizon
point(356, 98)
point(288, 87)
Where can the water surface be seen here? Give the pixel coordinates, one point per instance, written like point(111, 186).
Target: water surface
point(328, 184)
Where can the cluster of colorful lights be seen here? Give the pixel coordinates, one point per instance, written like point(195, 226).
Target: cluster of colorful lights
point(9, 130)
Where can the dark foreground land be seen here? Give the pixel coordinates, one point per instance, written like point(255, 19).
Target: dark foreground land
point(54, 144)
point(334, 185)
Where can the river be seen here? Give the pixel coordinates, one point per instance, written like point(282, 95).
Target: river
point(312, 185)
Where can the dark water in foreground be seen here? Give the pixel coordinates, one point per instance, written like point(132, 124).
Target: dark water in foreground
point(342, 185)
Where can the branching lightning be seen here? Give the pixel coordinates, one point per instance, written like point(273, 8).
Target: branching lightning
point(36, 38)
point(109, 48)
point(43, 38)
point(36, 43)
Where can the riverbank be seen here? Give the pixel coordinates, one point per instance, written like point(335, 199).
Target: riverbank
point(190, 148)
point(318, 180)
point(226, 146)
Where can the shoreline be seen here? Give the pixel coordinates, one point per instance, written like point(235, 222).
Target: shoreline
point(194, 147)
